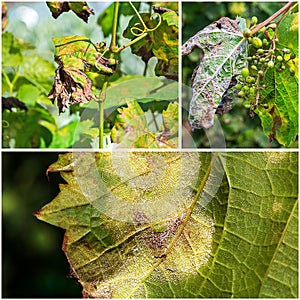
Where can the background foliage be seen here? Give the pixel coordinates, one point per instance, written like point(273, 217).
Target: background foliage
point(239, 129)
point(31, 251)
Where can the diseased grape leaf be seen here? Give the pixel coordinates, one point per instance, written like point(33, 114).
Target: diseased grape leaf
point(81, 9)
point(131, 129)
point(224, 55)
point(176, 224)
point(4, 16)
point(161, 42)
point(278, 109)
point(71, 86)
point(77, 55)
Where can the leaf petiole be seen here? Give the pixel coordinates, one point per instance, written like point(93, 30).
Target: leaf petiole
point(283, 10)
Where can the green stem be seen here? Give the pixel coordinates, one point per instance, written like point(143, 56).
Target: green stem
point(101, 112)
point(113, 47)
point(113, 44)
point(11, 83)
point(131, 42)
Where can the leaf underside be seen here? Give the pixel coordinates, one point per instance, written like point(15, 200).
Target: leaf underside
point(224, 55)
point(175, 224)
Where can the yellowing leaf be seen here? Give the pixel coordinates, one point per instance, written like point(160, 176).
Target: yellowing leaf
point(131, 128)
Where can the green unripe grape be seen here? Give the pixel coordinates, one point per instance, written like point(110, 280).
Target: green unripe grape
point(271, 51)
point(285, 50)
point(245, 88)
point(264, 86)
point(249, 40)
point(260, 51)
point(292, 56)
point(239, 86)
point(270, 64)
point(282, 67)
point(254, 68)
point(265, 42)
point(241, 94)
point(245, 72)
point(247, 33)
point(250, 79)
point(249, 58)
point(260, 73)
point(276, 40)
point(279, 58)
point(262, 60)
point(252, 91)
point(254, 20)
point(257, 42)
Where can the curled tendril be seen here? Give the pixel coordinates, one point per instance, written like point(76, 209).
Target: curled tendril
point(136, 31)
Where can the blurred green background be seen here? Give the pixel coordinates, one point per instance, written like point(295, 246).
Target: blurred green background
point(33, 264)
point(239, 129)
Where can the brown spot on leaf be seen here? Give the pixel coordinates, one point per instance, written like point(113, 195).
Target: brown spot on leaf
point(68, 90)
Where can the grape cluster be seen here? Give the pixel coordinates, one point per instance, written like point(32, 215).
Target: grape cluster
point(264, 54)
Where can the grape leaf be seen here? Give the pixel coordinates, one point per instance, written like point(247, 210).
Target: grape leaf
point(12, 50)
point(179, 224)
point(224, 55)
point(81, 9)
point(131, 129)
point(279, 101)
point(4, 16)
point(161, 42)
point(143, 89)
point(77, 55)
point(25, 129)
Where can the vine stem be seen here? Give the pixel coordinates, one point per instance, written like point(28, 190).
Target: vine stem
point(274, 16)
point(112, 47)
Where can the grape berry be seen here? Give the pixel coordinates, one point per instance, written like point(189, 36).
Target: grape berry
point(264, 54)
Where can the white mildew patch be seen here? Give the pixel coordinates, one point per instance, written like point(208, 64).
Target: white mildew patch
point(277, 157)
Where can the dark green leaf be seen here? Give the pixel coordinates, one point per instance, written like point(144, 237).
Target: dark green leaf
point(279, 109)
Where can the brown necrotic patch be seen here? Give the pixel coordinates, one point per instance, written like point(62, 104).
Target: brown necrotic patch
point(159, 241)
